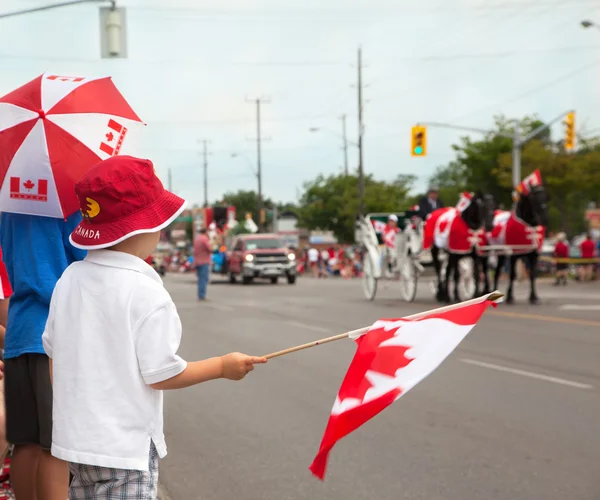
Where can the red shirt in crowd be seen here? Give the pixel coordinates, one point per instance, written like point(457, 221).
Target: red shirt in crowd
point(587, 248)
point(202, 250)
point(561, 250)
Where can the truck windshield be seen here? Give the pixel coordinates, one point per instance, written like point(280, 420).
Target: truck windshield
point(264, 244)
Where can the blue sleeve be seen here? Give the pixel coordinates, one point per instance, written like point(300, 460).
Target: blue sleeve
point(73, 254)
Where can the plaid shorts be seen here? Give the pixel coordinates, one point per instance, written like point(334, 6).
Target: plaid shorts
point(103, 483)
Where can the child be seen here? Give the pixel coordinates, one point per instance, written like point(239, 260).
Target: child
point(112, 337)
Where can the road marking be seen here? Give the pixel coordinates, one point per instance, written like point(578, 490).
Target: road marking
point(540, 317)
point(523, 373)
point(306, 326)
point(578, 307)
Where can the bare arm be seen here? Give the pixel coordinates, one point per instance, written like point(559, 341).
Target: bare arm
point(4, 312)
point(3, 320)
point(234, 366)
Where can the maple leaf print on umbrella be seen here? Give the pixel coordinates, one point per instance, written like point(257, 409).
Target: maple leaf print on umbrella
point(52, 130)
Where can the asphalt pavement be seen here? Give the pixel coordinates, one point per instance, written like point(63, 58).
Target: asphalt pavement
point(513, 414)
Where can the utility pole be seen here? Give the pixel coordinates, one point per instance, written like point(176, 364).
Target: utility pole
point(205, 168)
point(343, 118)
point(169, 181)
point(258, 102)
point(516, 157)
point(361, 173)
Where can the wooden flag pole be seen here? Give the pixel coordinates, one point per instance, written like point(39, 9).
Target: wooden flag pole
point(494, 297)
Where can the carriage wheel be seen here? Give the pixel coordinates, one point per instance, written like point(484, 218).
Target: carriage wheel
point(369, 282)
point(466, 283)
point(410, 278)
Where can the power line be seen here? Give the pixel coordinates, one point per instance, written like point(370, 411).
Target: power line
point(518, 97)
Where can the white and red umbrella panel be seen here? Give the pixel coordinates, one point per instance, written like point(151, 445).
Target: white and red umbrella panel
point(52, 130)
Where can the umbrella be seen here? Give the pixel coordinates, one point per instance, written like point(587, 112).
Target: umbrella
point(52, 130)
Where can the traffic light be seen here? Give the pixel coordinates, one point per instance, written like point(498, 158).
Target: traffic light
point(419, 141)
point(570, 131)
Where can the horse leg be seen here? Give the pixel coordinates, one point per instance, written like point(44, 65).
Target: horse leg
point(498, 271)
point(457, 278)
point(452, 270)
point(476, 273)
point(513, 274)
point(435, 256)
point(486, 278)
point(533, 258)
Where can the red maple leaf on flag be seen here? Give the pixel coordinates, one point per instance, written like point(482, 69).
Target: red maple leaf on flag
point(381, 372)
point(110, 136)
point(374, 357)
point(28, 185)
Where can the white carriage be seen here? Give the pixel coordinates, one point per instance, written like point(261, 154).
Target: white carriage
point(382, 262)
point(405, 263)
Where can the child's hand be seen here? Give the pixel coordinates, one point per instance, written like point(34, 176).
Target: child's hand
point(237, 365)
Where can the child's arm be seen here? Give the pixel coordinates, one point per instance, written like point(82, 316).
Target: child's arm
point(234, 366)
point(157, 341)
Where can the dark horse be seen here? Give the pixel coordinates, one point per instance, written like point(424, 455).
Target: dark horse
point(532, 209)
point(477, 216)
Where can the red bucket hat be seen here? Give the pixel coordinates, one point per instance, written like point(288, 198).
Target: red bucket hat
point(119, 198)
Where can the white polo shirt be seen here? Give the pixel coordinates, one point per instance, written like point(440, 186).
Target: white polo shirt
point(112, 330)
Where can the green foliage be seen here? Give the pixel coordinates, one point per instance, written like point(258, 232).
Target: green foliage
point(332, 203)
point(244, 202)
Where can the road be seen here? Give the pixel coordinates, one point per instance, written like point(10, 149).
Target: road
point(513, 414)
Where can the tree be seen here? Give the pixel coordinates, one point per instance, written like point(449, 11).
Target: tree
point(477, 161)
point(244, 202)
point(331, 203)
point(571, 180)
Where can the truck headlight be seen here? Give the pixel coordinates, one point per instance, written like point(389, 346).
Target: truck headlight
point(291, 256)
point(249, 257)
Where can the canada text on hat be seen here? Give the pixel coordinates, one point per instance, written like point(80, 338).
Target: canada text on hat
point(120, 197)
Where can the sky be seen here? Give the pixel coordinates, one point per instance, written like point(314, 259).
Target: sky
point(193, 69)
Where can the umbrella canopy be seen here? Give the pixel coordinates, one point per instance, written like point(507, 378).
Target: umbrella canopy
point(52, 130)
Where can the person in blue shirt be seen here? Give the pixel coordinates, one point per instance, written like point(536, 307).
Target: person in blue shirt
point(36, 252)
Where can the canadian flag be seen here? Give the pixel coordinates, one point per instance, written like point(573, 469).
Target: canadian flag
point(29, 190)
point(464, 201)
point(392, 357)
point(532, 180)
point(74, 79)
point(113, 138)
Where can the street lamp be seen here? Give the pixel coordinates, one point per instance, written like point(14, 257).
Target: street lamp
point(113, 33)
point(586, 23)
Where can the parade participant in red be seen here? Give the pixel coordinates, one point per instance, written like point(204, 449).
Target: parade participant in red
point(561, 251)
point(390, 231)
point(588, 251)
point(115, 330)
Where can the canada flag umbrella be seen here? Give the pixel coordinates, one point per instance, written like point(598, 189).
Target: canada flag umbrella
point(52, 130)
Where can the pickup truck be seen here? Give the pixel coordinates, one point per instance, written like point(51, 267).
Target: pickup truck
point(263, 256)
